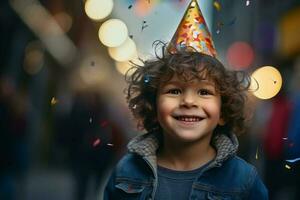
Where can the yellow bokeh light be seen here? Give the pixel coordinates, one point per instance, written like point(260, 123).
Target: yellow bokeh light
point(64, 20)
point(124, 52)
point(266, 82)
point(98, 9)
point(113, 32)
point(123, 67)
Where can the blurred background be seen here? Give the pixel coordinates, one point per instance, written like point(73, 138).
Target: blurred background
point(64, 121)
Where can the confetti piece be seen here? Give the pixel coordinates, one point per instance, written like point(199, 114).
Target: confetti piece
point(247, 2)
point(130, 6)
point(109, 144)
point(287, 166)
point(131, 36)
point(284, 138)
point(219, 25)
point(256, 155)
point(103, 123)
point(144, 25)
point(134, 106)
point(293, 160)
point(146, 79)
point(53, 101)
point(96, 142)
point(90, 120)
point(217, 5)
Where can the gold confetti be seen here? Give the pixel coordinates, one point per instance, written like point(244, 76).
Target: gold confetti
point(217, 5)
point(53, 101)
point(287, 166)
point(256, 155)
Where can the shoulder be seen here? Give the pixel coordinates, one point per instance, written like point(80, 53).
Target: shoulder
point(132, 166)
point(236, 171)
point(240, 165)
point(246, 174)
point(239, 170)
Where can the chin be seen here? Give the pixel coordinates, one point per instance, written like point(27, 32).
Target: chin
point(189, 137)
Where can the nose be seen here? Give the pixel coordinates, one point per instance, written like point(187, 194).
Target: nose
point(188, 99)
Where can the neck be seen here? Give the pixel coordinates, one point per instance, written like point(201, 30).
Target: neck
point(185, 156)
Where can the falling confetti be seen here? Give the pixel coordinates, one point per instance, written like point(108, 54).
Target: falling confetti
point(256, 155)
point(217, 5)
point(134, 106)
point(53, 101)
point(219, 25)
point(130, 6)
point(247, 2)
point(293, 160)
point(96, 142)
point(284, 138)
point(144, 25)
point(91, 120)
point(109, 144)
point(146, 79)
point(287, 166)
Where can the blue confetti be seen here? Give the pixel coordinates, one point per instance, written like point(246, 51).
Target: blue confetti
point(146, 79)
point(293, 160)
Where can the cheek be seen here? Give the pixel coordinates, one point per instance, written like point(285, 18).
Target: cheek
point(214, 109)
point(164, 108)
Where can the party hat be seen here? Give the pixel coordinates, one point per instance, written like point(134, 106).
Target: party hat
point(193, 32)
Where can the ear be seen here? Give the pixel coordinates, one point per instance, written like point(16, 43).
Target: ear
point(221, 122)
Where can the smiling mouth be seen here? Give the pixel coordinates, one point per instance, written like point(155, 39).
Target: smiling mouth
point(188, 118)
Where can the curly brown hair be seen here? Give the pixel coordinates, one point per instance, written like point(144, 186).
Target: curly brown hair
point(188, 64)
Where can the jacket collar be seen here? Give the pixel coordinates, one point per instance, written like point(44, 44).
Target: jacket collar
point(146, 146)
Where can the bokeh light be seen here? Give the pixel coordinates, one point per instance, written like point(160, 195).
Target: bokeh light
point(123, 67)
point(240, 55)
point(98, 9)
point(113, 32)
point(143, 8)
point(64, 20)
point(266, 82)
point(124, 52)
point(33, 58)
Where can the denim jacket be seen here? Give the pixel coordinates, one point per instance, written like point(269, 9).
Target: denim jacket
point(226, 177)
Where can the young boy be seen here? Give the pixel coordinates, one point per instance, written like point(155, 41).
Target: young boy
point(191, 108)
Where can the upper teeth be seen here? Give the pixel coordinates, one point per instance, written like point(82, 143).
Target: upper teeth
point(189, 119)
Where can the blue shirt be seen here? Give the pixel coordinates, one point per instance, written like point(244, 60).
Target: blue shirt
point(174, 184)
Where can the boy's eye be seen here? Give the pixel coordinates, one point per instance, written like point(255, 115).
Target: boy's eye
point(174, 91)
point(205, 92)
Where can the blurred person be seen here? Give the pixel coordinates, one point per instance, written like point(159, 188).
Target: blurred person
point(93, 141)
point(13, 143)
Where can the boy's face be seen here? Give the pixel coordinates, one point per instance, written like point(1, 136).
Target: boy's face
point(188, 111)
